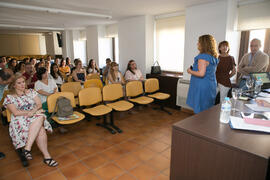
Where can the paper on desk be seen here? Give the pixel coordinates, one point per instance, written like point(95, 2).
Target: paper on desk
point(263, 94)
point(239, 123)
point(255, 107)
point(258, 122)
point(263, 98)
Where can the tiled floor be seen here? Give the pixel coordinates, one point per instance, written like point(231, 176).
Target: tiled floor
point(88, 152)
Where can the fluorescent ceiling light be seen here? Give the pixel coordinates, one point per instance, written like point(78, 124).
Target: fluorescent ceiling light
point(51, 10)
point(30, 27)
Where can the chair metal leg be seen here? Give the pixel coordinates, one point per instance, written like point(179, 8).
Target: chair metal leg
point(113, 125)
point(165, 110)
point(22, 158)
point(105, 125)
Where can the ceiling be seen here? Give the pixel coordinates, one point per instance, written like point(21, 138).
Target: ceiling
point(118, 9)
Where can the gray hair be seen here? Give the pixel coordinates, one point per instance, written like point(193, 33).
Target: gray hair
point(259, 41)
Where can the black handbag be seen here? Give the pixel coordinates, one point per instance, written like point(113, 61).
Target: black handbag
point(155, 69)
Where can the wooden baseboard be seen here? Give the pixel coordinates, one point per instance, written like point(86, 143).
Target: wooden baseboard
point(187, 111)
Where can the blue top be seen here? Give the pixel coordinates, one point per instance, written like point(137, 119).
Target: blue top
point(81, 76)
point(202, 90)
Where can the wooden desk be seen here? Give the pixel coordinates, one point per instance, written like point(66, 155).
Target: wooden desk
point(204, 148)
point(167, 84)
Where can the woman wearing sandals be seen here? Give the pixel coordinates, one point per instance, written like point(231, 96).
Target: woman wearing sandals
point(28, 122)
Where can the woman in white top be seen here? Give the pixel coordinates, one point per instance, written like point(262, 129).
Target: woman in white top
point(132, 73)
point(56, 75)
point(45, 86)
point(115, 77)
point(92, 67)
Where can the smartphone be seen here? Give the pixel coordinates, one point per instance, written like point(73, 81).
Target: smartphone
point(191, 67)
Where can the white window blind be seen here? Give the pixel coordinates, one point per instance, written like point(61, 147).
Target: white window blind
point(254, 16)
point(170, 35)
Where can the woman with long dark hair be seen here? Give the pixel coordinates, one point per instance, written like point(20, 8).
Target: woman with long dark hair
point(56, 75)
point(132, 72)
point(64, 68)
point(92, 67)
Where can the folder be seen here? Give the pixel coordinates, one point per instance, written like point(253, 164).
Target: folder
point(239, 123)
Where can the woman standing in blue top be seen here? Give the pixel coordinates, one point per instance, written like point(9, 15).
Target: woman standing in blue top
point(202, 89)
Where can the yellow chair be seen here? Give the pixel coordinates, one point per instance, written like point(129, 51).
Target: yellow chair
point(69, 78)
point(92, 76)
point(134, 90)
point(151, 87)
point(8, 115)
point(73, 87)
point(92, 97)
point(113, 93)
point(51, 101)
point(93, 83)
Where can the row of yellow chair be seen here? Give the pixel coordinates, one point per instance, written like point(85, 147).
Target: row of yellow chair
point(112, 96)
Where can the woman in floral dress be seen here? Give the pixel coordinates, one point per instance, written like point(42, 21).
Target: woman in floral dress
point(28, 122)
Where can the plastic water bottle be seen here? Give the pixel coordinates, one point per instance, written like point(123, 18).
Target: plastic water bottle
point(225, 111)
point(258, 85)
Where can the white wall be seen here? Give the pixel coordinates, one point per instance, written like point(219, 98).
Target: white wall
point(92, 43)
point(68, 44)
point(136, 38)
point(210, 18)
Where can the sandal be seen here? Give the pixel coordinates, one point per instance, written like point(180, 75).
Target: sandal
point(27, 154)
point(50, 162)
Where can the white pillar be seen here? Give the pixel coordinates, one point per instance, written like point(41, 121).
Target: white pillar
point(67, 39)
point(92, 42)
point(136, 41)
point(217, 19)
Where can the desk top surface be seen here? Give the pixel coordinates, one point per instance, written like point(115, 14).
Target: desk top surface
point(206, 125)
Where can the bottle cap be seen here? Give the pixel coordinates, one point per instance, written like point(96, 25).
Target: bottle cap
point(226, 98)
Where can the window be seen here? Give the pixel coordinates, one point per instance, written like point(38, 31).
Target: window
point(258, 34)
point(80, 50)
point(170, 35)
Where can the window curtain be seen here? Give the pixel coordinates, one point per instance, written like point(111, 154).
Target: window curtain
point(244, 44)
point(170, 35)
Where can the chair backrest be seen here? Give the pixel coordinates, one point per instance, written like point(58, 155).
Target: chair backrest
point(134, 88)
point(73, 87)
point(69, 78)
point(93, 83)
point(93, 76)
point(90, 96)
point(112, 92)
point(3, 97)
point(151, 85)
point(51, 100)
point(8, 115)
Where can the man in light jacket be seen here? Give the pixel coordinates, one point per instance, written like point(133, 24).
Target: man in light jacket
point(255, 61)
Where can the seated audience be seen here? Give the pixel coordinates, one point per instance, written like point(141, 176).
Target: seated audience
point(28, 122)
point(202, 89)
point(39, 65)
point(132, 73)
point(114, 76)
point(64, 68)
point(106, 69)
point(20, 68)
point(44, 86)
point(225, 69)
point(30, 76)
point(33, 61)
point(3, 62)
point(57, 61)
point(79, 73)
point(255, 61)
point(56, 75)
point(92, 67)
point(49, 58)
point(12, 65)
point(5, 79)
point(26, 60)
point(68, 63)
point(48, 66)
